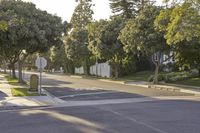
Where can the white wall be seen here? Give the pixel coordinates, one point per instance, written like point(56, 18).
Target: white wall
point(170, 60)
point(102, 69)
point(79, 70)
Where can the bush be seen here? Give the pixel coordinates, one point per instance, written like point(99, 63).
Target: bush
point(160, 78)
point(150, 79)
point(175, 76)
point(194, 73)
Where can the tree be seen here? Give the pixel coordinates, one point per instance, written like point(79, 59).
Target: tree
point(128, 8)
point(33, 31)
point(104, 43)
point(181, 26)
point(184, 23)
point(82, 14)
point(77, 41)
point(59, 59)
point(139, 34)
point(124, 8)
point(180, 22)
point(187, 53)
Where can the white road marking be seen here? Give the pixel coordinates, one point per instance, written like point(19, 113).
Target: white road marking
point(86, 94)
point(88, 103)
point(135, 120)
point(106, 102)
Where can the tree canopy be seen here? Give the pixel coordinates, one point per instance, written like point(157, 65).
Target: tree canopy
point(77, 41)
point(181, 26)
point(104, 43)
point(139, 34)
point(30, 30)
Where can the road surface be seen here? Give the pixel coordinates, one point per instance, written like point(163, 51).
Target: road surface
point(68, 88)
point(105, 108)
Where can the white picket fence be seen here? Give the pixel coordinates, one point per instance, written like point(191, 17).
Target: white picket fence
point(101, 69)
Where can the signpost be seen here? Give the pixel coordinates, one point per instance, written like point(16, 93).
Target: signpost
point(40, 63)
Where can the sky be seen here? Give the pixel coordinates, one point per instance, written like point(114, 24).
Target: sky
point(65, 8)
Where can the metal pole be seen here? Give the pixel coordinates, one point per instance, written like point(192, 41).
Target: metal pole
point(40, 82)
point(40, 76)
point(23, 73)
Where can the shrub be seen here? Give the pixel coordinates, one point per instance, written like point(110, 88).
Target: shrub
point(194, 73)
point(150, 79)
point(175, 76)
point(160, 78)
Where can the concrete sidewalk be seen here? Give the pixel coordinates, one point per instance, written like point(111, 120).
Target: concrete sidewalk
point(5, 87)
point(6, 98)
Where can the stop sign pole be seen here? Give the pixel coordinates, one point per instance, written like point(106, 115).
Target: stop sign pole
point(41, 63)
point(40, 77)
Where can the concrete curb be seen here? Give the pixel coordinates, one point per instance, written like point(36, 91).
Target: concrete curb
point(125, 83)
point(139, 85)
point(76, 76)
point(54, 98)
point(174, 89)
point(31, 101)
point(110, 81)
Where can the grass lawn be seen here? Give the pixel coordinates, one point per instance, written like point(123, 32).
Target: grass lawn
point(22, 92)
point(192, 82)
point(140, 76)
point(11, 80)
point(19, 89)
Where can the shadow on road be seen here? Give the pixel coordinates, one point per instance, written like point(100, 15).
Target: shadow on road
point(89, 94)
point(2, 95)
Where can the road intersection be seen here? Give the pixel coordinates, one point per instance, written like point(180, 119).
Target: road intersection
point(92, 106)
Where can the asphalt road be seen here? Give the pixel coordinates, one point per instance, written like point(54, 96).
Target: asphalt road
point(68, 88)
point(137, 116)
point(143, 117)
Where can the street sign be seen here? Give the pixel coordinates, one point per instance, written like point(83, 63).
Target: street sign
point(41, 63)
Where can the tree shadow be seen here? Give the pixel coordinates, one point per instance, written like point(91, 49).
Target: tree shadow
point(76, 94)
point(2, 95)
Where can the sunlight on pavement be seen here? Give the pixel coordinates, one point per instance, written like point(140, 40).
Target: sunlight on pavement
point(188, 98)
point(83, 125)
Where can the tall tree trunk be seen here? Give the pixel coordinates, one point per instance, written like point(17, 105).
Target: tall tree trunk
point(86, 66)
point(4, 71)
point(116, 71)
point(156, 58)
point(10, 72)
point(13, 70)
point(70, 67)
point(20, 65)
point(4, 66)
point(155, 81)
point(199, 72)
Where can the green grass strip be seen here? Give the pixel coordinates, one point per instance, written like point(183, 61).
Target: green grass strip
point(22, 92)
